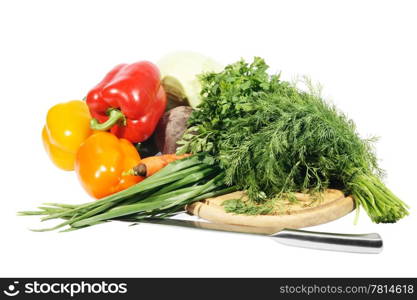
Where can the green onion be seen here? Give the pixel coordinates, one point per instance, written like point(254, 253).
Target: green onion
point(163, 194)
point(159, 201)
point(145, 185)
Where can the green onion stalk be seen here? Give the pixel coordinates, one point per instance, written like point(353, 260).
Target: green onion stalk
point(163, 194)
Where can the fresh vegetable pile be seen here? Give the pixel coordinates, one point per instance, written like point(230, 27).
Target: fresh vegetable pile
point(248, 131)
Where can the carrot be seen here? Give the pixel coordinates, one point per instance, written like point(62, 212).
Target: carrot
point(150, 165)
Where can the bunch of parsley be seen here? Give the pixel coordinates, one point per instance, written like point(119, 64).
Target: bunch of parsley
point(270, 138)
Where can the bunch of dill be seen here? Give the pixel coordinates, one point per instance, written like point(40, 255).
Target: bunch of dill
point(271, 138)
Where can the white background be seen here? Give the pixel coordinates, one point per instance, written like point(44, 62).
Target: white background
point(363, 52)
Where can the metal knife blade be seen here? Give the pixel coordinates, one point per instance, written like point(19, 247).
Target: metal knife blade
point(358, 243)
point(211, 226)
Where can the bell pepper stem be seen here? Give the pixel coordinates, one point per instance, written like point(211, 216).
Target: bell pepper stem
point(115, 116)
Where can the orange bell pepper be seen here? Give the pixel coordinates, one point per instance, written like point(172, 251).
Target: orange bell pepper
point(102, 162)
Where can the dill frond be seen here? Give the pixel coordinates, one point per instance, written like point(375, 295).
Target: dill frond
point(271, 138)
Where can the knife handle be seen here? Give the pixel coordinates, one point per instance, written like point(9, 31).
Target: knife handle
point(359, 243)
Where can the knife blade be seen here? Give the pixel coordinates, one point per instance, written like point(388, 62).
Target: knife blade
point(370, 243)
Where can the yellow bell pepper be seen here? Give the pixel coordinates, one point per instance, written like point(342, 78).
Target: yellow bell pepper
point(67, 126)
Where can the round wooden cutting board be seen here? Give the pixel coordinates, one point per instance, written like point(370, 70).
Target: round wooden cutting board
point(306, 211)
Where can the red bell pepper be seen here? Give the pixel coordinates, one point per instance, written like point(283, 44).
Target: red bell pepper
point(129, 101)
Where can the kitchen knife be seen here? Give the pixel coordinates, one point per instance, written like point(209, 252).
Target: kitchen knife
point(358, 243)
